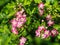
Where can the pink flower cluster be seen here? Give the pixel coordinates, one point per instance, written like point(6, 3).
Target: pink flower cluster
point(22, 41)
point(44, 33)
point(49, 19)
point(41, 8)
point(41, 12)
point(18, 21)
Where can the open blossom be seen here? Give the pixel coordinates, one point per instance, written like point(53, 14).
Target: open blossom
point(42, 32)
point(37, 33)
point(43, 36)
point(41, 6)
point(46, 34)
point(19, 24)
point(14, 30)
point(18, 13)
point(54, 32)
point(50, 23)
point(48, 17)
point(22, 40)
point(40, 28)
point(14, 22)
point(21, 21)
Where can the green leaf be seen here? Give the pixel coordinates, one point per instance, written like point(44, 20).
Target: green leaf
point(37, 1)
point(27, 2)
point(58, 36)
point(56, 26)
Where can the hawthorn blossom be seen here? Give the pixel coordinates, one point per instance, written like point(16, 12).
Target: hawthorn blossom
point(18, 21)
point(14, 22)
point(41, 12)
point(54, 32)
point(37, 33)
point(42, 32)
point(22, 40)
point(48, 17)
point(41, 28)
point(21, 20)
point(43, 36)
point(46, 34)
point(19, 24)
point(14, 30)
point(41, 6)
point(50, 23)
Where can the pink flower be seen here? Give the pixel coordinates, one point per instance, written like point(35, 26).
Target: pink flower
point(19, 16)
point(19, 24)
point(22, 40)
point(50, 23)
point(40, 28)
point(41, 6)
point(14, 22)
point(21, 44)
point(41, 12)
point(43, 36)
point(14, 30)
point(48, 17)
point(18, 13)
point(23, 19)
point(37, 33)
point(54, 32)
point(24, 15)
point(46, 34)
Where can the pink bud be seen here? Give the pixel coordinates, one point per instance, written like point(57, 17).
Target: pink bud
point(14, 30)
point(50, 23)
point(48, 17)
point(54, 32)
point(41, 6)
point(42, 20)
